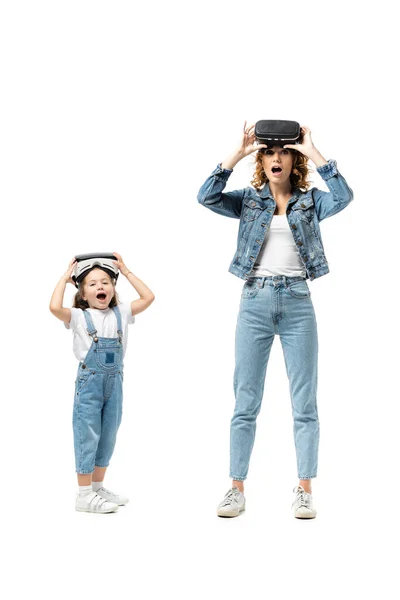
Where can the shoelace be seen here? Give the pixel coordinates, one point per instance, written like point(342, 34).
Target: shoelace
point(301, 497)
point(229, 496)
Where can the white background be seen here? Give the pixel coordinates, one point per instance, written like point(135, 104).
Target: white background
point(112, 115)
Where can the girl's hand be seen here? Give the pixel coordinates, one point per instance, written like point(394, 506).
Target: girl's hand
point(249, 141)
point(306, 147)
point(68, 273)
point(120, 264)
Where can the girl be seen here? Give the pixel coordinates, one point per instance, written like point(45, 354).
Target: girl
point(100, 327)
point(279, 247)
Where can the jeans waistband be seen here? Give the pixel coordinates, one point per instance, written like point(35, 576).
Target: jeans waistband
point(275, 280)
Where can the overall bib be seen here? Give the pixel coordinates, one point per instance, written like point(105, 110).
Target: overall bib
point(98, 399)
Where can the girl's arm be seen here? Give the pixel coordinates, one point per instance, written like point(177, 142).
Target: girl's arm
point(211, 194)
point(56, 307)
point(145, 293)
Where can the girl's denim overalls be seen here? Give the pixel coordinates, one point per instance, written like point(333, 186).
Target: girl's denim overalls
point(98, 399)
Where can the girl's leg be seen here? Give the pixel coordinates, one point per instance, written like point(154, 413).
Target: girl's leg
point(110, 422)
point(84, 479)
point(98, 474)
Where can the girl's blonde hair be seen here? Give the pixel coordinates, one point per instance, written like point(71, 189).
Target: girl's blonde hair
point(298, 176)
point(79, 302)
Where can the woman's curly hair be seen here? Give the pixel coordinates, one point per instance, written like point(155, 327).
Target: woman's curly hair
point(298, 176)
point(79, 302)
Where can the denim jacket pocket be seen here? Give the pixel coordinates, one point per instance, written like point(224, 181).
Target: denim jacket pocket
point(305, 209)
point(251, 209)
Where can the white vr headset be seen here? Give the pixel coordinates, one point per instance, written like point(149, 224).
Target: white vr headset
point(86, 262)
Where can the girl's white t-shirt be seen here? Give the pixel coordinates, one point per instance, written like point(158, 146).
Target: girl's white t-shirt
point(104, 321)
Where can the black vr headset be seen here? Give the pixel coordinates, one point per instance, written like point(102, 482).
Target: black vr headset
point(277, 133)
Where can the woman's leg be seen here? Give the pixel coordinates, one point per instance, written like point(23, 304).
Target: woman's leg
point(298, 334)
point(254, 337)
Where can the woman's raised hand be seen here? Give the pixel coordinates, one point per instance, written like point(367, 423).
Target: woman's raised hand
point(247, 146)
point(249, 142)
point(306, 147)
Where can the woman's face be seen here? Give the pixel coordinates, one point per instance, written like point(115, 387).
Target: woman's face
point(277, 163)
point(97, 289)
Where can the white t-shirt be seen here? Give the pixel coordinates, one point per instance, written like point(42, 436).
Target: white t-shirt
point(105, 321)
point(278, 254)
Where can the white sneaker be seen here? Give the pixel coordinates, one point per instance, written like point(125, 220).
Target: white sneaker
point(303, 504)
point(232, 504)
point(94, 503)
point(111, 497)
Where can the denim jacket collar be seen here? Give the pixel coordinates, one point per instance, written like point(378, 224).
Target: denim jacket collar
point(266, 193)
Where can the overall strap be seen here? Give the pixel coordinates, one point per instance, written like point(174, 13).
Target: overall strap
point(90, 327)
point(117, 313)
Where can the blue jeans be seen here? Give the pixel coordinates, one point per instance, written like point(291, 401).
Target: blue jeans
point(98, 400)
point(275, 305)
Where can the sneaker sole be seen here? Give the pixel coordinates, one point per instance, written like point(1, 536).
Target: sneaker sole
point(230, 515)
point(96, 512)
point(305, 516)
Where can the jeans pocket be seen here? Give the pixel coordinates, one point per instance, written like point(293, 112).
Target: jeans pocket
point(82, 380)
point(299, 289)
point(250, 289)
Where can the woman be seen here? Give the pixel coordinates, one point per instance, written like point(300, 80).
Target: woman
point(279, 247)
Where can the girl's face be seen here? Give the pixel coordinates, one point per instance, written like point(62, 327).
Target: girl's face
point(277, 163)
point(97, 289)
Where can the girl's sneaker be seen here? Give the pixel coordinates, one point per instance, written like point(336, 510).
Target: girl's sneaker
point(232, 504)
point(111, 497)
point(303, 504)
point(94, 503)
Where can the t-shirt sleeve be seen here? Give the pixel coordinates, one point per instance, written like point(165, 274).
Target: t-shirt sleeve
point(74, 319)
point(126, 313)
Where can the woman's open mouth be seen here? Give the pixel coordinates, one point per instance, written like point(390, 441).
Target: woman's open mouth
point(276, 171)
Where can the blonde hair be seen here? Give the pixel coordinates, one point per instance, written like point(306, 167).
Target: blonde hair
point(298, 176)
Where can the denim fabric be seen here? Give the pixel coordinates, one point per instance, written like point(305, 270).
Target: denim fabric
point(98, 399)
point(275, 305)
point(255, 210)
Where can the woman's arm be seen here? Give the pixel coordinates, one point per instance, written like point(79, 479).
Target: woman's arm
point(340, 194)
point(211, 194)
point(56, 307)
point(145, 293)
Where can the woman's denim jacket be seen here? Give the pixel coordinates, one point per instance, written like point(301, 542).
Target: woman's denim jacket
point(255, 210)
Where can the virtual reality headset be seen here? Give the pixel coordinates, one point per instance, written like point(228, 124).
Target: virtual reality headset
point(277, 133)
point(86, 262)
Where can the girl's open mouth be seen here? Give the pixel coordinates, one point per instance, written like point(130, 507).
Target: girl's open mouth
point(101, 296)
